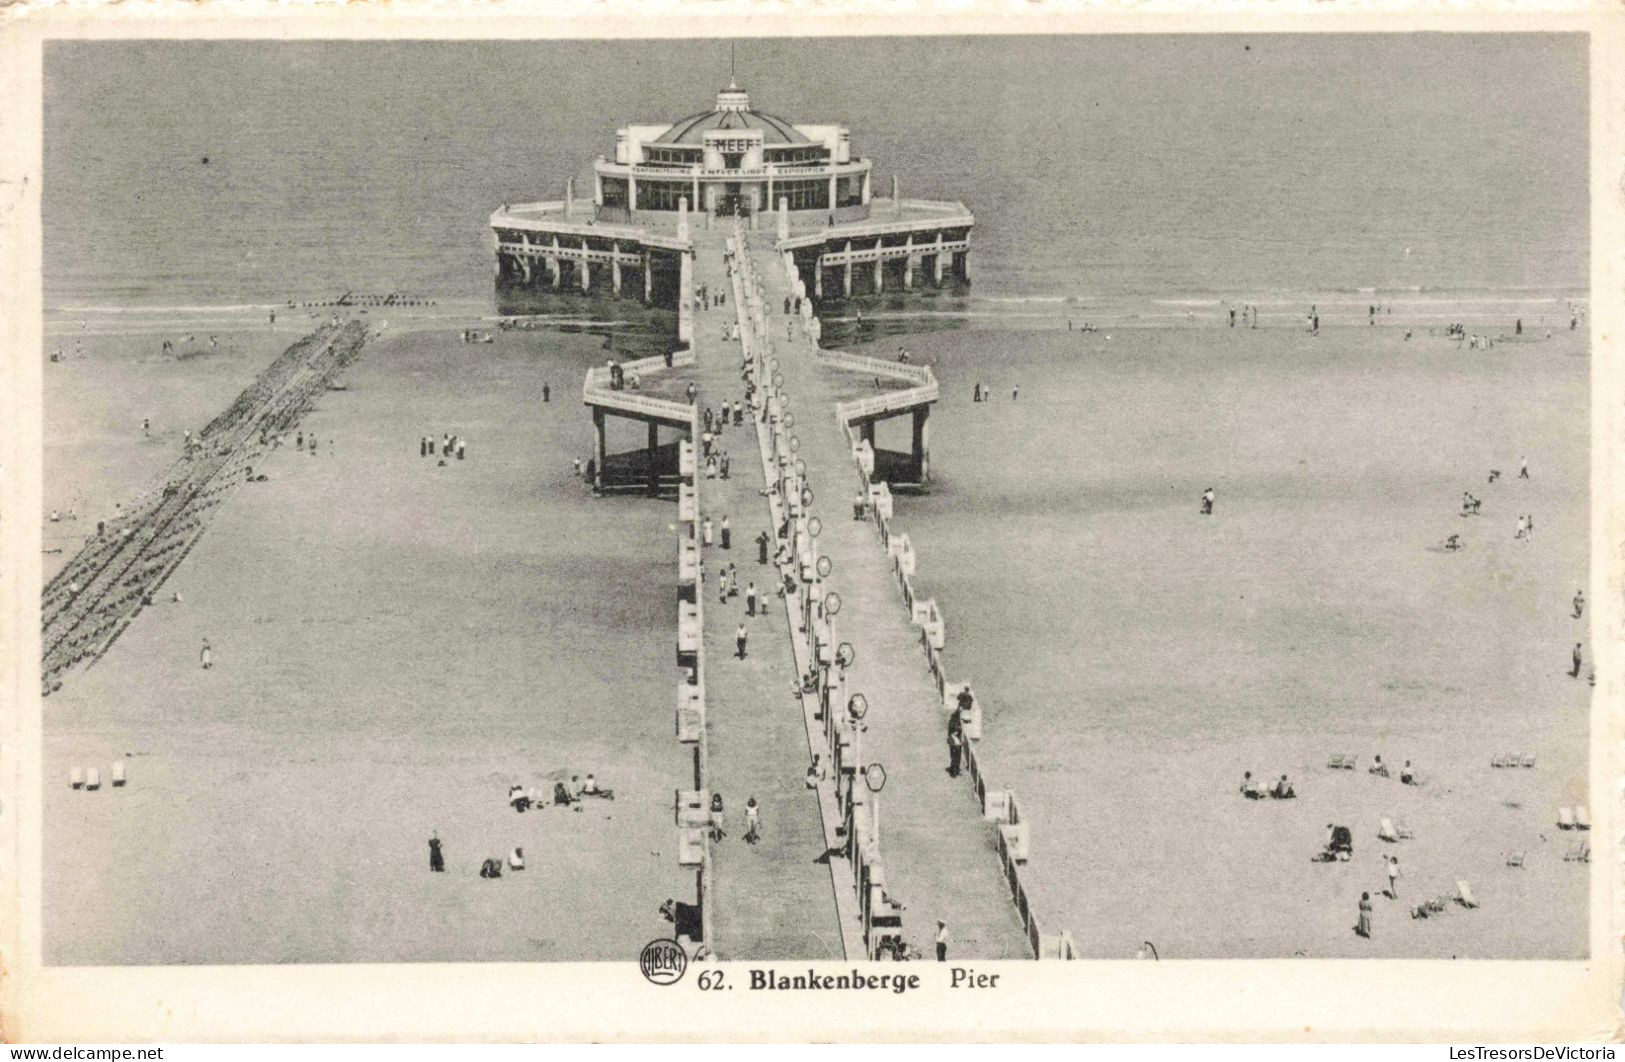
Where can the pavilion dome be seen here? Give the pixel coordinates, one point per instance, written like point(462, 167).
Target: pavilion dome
point(732, 111)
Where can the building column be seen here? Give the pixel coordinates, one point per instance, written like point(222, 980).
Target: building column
point(524, 257)
point(847, 274)
point(648, 276)
point(631, 192)
point(615, 266)
point(922, 443)
point(555, 267)
point(908, 263)
point(695, 198)
point(597, 187)
point(654, 448)
point(586, 268)
point(961, 265)
point(866, 186)
point(682, 216)
point(569, 196)
point(818, 277)
point(600, 448)
point(880, 267)
point(939, 262)
point(784, 217)
point(832, 191)
point(770, 200)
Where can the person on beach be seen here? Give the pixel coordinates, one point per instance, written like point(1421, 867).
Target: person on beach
point(1207, 502)
point(1363, 927)
point(705, 531)
point(750, 599)
point(207, 656)
point(1578, 657)
point(753, 821)
point(1393, 877)
point(1282, 790)
point(942, 941)
point(727, 533)
point(1523, 468)
point(547, 392)
point(1015, 392)
point(956, 747)
point(976, 393)
point(516, 859)
point(1406, 775)
point(1232, 319)
point(717, 816)
point(517, 798)
point(437, 859)
point(733, 580)
point(1579, 603)
point(462, 448)
point(725, 466)
point(1378, 767)
point(423, 446)
point(739, 639)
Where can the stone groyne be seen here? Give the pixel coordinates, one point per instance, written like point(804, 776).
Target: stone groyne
point(88, 604)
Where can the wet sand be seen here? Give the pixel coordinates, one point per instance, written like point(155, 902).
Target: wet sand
point(395, 643)
point(1136, 657)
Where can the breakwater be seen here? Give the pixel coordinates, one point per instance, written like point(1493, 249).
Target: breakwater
point(89, 603)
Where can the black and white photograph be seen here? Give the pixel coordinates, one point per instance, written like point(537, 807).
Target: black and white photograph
point(739, 501)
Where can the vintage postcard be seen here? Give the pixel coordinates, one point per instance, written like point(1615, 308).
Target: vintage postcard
point(742, 522)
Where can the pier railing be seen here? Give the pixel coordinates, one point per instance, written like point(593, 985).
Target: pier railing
point(597, 390)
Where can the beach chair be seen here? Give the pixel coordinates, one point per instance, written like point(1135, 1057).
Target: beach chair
point(1464, 895)
point(1515, 859)
point(1341, 763)
point(1565, 818)
point(1527, 761)
point(1402, 830)
point(1504, 760)
point(1386, 830)
point(1580, 852)
point(118, 773)
point(76, 777)
point(93, 778)
point(1582, 818)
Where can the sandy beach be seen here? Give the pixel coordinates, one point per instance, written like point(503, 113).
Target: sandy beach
point(395, 643)
point(1136, 657)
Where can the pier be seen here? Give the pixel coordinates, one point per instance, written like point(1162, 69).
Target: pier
point(838, 706)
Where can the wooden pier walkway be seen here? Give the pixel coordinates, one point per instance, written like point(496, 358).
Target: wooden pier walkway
point(939, 856)
point(772, 900)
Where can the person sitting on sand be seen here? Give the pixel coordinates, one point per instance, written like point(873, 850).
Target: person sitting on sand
point(716, 817)
point(1339, 843)
point(1282, 790)
point(516, 859)
point(1378, 767)
point(562, 795)
point(1453, 543)
point(1406, 775)
point(591, 788)
point(517, 797)
point(1249, 787)
point(491, 868)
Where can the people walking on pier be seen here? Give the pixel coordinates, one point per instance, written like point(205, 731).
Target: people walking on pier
point(705, 531)
point(727, 532)
point(437, 859)
point(1207, 502)
point(726, 464)
point(956, 745)
point(739, 640)
point(762, 541)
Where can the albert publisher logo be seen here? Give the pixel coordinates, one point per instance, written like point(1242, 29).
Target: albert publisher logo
point(663, 961)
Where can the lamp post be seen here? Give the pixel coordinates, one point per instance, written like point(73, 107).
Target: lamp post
point(874, 776)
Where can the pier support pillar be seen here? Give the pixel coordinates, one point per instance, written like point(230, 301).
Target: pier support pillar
point(846, 276)
point(866, 431)
point(937, 264)
point(569, 197)
point(600, 448)
point(648, 277)
point(818, 278)
point(784, 217)
point(654, 449)
point(908, 263)
point(682, 218)
point(615, 267)
point(922, 443)
point(586, 269)
point(961, 265)
point(880, 270)
point(555, 267)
